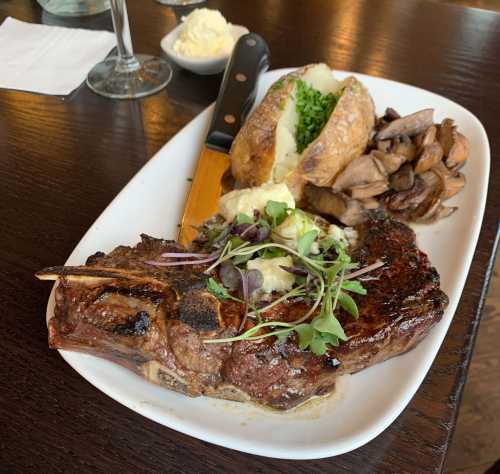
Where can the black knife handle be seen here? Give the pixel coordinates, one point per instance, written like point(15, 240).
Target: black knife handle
point(238, 89)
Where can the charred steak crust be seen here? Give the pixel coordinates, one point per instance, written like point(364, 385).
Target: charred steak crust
point(153, 321)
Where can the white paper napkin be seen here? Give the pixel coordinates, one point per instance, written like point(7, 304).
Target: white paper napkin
point(49, 59)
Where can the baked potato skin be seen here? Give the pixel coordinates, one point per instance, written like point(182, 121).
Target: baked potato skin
point(343, 138)
point(252, 152)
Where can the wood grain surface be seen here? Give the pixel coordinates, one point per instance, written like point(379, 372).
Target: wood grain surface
point(476, 442)
point(63, 160)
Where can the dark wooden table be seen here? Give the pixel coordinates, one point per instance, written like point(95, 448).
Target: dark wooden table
point(62, 161)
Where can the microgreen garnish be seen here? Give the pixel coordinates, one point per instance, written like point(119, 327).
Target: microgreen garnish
point(354, 286)
point(242, 218)
point(323, 274)
point(305, 242)
point(219, 291)
point(348, 304)
point(326, 243)
point(272, 253)
point(277, 211)
point(330, 288)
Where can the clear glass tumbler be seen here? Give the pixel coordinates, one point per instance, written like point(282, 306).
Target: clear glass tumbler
point(74, 7)
point(127, 76)
point(179, 3)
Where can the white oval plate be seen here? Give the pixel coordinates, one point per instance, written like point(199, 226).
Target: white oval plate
point(152, 203)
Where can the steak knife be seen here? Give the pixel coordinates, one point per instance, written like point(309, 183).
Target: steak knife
point(236, 96)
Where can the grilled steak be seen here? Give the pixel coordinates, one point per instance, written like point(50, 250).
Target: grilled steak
point(153, 321)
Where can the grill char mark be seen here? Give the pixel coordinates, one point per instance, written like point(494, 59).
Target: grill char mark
point(141, 292)
point(200, 310)
point(135, 327)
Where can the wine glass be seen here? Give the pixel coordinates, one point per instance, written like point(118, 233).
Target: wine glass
point(127, 76)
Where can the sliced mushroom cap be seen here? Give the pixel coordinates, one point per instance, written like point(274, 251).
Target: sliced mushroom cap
point(430, 155)
point(403, 179)
point(404, 147)
point(446, 135)
point(452, 182)
point(370, 203)
point(435, 212)
point(410, 199)
point(418, 140)
point(444, 211)
point(433, 181)
point(422, 203)
point(327, 201)
point(390, 161)
point(362, 170)
point(430, 207)
point(409, 125)
point(459, 152)
point(364, 191)
point(384, 146)
point(391, 114)
point(453, 185)
point(428, 210)
point(429, 136)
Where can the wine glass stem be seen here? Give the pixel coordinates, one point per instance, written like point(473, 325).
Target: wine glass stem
point(126, 59)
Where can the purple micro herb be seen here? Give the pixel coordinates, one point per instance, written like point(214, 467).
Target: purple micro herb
point(254, 280)
point(251, 233)
point(299, 271)
point(229, 276)
point(251, 280)
point(224, 233)
point(263, 234)
point(245, 229)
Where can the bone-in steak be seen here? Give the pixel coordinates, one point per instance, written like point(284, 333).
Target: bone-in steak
point(153, 320)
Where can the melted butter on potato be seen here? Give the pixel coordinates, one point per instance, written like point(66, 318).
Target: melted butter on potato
point(274, 277)
point(250, 199)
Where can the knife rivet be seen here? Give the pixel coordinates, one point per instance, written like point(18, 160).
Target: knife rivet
point(251, 42)
point(229, 118)
point(240, 77)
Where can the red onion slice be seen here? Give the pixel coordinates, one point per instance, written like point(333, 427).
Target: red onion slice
point(364, 270)
point(183, 254)
point(178, 263)
point(244, 287)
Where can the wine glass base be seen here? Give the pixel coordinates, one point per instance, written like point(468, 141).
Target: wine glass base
point(108, 80)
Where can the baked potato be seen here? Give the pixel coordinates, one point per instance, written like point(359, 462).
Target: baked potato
point(307, 128)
